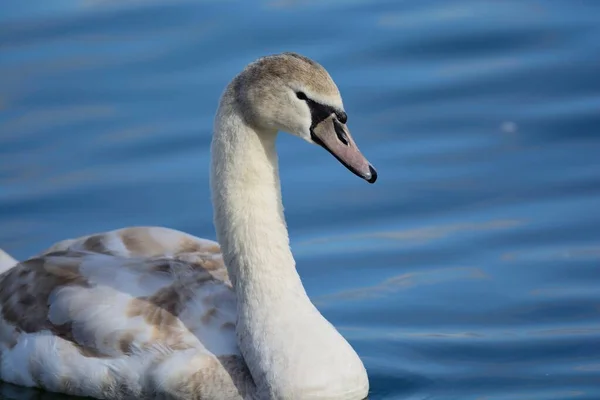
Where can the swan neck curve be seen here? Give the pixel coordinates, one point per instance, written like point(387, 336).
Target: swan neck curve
point(246, 195)
point(291, 350)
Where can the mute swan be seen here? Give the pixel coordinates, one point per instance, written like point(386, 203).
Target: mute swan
point(154, 312)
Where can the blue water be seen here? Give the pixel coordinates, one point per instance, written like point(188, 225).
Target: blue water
point(470, 270)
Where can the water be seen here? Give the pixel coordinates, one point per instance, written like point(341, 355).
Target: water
point(469, 271)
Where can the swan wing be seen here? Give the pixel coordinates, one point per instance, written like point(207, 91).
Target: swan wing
point(120, 313)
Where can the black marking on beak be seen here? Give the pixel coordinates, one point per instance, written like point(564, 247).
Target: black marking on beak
point(318, 112)
point(339, 131)
point(373, 174)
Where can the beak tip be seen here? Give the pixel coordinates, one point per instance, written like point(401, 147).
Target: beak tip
point(373, 172)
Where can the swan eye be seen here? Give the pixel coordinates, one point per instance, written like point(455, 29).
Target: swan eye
point(301, 96)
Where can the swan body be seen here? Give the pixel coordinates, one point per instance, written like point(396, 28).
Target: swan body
point(154, 312)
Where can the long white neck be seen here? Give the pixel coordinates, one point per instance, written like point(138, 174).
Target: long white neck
point(290, 349)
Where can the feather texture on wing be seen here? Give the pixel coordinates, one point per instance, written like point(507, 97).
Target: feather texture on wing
point(122, 313)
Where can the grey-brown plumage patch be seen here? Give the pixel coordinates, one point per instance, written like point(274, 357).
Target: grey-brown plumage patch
point(162, 315)
point(35, 370)
point(166, 328)
point(228, 326)
point(170, 299)
point(236, 368)
point(209, 264)
point(254, 89)
point(161, 311)
point(96, 244)
point(220, 377)
point(188, 245)
point(180, 263)
point(292, 66)
point(126, 342)
point(139, 242)
point(164, 266)
point(208, 315)
point(8, 333)
point(27, 286)
point(26, 289)
point(66, 385)
point(201, 261)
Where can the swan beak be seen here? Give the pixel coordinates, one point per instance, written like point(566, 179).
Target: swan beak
point(335, 137)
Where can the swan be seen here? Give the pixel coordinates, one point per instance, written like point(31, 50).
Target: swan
point(153, 312)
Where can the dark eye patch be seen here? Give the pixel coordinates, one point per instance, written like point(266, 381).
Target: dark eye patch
point(320, 111)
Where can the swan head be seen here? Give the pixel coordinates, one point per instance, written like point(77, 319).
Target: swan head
point(292, 93)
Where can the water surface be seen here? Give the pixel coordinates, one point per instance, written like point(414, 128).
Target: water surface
point(470, 270)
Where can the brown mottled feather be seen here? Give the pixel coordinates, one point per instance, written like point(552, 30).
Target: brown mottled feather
point(26, 288)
